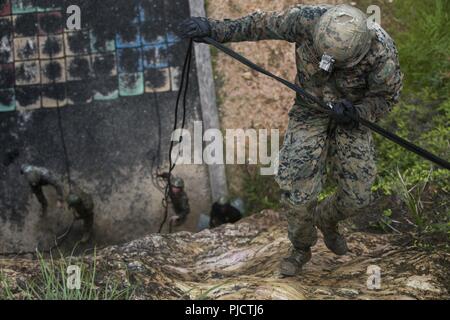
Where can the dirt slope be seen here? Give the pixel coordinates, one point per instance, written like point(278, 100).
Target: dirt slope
point(241, 262)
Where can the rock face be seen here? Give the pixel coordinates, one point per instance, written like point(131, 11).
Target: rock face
point(241, 262)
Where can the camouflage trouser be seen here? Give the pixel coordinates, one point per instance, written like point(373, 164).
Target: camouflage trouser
point(312, 142)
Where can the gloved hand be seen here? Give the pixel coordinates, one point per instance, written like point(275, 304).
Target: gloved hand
point(345, 114)
point(195, 27)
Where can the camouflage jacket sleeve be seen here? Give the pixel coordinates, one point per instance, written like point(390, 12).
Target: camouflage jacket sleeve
point(52, 180)
point(385, 84)
point(292, 25)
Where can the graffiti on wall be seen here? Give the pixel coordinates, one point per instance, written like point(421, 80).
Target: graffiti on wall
point(125, 48)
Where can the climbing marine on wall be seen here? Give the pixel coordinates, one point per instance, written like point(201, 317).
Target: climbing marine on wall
point(350, 64)
point(82, 205)
point(37, 178)
point(178, 198)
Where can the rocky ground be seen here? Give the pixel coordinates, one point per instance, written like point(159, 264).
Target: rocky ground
point(241, 262)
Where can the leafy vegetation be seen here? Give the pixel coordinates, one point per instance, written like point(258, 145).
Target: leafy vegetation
point(423, 115)
point(260, 192)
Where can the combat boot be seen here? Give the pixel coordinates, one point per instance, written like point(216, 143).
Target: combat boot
point(293, 264)
point(332, 238)
point(326, 219)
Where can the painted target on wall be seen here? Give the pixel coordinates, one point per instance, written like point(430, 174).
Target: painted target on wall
point(125, 48)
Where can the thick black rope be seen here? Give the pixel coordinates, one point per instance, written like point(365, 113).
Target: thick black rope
point(182, 92)
point(64, 146)
point(60, 239)
point(323, 107)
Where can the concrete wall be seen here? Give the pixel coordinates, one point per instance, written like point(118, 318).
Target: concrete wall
point(111, 146)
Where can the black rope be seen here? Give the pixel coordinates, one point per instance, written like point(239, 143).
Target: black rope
point(60, 239)
point(323, 107)
point(62, 135)
point(64, 146)
point(182, 93)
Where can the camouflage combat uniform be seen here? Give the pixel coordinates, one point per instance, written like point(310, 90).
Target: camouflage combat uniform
point(180, 203)
point(179, 200)
point(313, 140)
point(37, 178)
point(82, 205)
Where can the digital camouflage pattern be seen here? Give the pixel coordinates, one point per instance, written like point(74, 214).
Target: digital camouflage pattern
point(373, 85)
point(313, 141)
point(180, 203)
point(37, 178)
point(301, 230)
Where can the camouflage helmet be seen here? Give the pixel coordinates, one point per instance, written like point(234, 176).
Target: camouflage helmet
point(177, 182)
point(73, 199)
point(342, 35)
point(223, 200)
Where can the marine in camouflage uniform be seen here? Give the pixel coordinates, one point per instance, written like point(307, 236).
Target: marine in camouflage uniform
point(178, 198)
point(37, 178)
point(366, 82)
point(82, 206)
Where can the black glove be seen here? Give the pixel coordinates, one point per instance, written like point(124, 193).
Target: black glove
point(345, 114)
point(195, 27)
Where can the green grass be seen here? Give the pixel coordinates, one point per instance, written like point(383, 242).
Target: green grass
point(51, 283)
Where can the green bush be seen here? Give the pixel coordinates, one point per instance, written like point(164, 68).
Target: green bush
point(421, 30)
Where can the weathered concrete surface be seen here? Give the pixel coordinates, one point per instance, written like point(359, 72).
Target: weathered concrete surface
point(240, 262)
point(110, 146)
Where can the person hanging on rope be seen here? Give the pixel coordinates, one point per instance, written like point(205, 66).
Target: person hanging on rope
point(178, 198)
point(350, 63)
point(37, 178)
point(82, 205)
